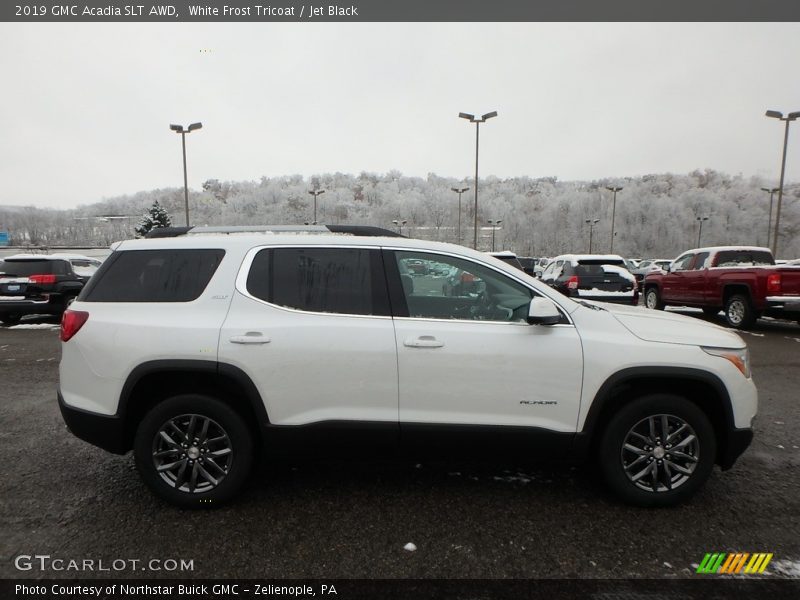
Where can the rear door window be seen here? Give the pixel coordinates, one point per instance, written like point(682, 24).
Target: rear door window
point(325, 280)
point(153, 276)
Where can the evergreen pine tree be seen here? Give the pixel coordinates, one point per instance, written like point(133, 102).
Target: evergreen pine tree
point(156, 216)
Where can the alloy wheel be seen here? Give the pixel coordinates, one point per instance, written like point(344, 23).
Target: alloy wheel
point(736, 311)
point(192, 453)
point(660, 453)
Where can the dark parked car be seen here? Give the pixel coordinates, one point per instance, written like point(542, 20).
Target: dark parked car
point(41, 283)
point(592, 277)
point(528, 264)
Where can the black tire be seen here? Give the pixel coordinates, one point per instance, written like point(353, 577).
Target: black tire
point(739, 312)
point(652, 299)
point(230, 468)
point(710, 312)
point(10, 318)
point(633, 417)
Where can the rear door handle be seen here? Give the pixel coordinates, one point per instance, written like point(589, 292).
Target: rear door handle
point(423, 341)
point(251, 337)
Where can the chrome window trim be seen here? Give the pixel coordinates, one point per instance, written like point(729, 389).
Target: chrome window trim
point(563, 310)
point(244, 271)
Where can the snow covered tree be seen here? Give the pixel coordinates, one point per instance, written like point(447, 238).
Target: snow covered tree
point(156, 216)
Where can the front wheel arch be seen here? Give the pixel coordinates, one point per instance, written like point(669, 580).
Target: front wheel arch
point(704, 389)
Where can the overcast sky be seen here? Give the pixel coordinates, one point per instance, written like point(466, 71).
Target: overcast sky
point(85, 108)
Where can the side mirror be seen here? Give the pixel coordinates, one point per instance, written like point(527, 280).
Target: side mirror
point(543, 311)
point(668, 268)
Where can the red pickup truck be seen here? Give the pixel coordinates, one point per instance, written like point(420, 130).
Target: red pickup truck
point(741, 280)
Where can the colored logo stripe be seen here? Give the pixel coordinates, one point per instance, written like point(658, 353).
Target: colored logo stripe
point(722, 562)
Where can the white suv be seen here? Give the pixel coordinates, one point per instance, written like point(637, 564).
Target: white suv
point(197, 351)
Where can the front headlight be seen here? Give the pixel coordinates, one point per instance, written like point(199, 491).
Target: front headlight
point(740, 357)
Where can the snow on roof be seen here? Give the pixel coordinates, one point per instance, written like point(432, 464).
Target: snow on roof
point(575, 258)
point(712, 249)
point(59, 256)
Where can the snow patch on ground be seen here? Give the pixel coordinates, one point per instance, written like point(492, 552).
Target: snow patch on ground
point(786, 567)
point(753, 333)
point(35, 326)
point(410, 547)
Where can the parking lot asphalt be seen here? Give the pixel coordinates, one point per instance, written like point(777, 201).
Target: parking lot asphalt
point(329, 519)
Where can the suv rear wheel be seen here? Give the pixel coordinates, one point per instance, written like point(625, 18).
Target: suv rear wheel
point(658, 450)
point(193, 451)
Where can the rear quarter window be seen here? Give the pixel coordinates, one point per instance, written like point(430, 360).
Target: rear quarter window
point(153, 276)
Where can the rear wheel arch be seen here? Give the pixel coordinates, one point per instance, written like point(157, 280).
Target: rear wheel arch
point(153, 382)
point(734, 289)
point(703, 389)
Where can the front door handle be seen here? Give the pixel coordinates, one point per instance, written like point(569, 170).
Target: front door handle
point(251, 337)
point(423, 341)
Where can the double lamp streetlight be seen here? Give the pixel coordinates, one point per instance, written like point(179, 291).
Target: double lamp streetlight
point(792, 116)
point(183, 132)
point(472, 119)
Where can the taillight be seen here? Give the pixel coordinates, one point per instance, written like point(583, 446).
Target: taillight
point(572, 282)
point(774, 283)
point(42, 278)
point(71, 323)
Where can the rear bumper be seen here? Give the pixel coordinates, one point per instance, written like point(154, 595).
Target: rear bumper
point(51, 306)
point(104, 431)
point(790, 304)
point(737, 442)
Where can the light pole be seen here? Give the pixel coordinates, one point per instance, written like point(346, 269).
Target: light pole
point(183, 132)
point(700, 232)
point(494, 225)
point(788, 118)
point(399, 224)
point(315, 193)
point(472, 119)
point(614, 189)
point(459, 191)
point(592, 223)
point(771, 192)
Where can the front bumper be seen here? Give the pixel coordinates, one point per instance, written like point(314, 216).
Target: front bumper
point(104, 431)
point(737, 441)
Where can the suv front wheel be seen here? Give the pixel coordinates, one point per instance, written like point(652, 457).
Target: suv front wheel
point(193, 451)
point(657, 450)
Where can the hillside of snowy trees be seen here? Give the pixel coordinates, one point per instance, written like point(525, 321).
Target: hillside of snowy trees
point(656, 215)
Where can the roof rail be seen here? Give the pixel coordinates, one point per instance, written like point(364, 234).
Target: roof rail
point(359, 230)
